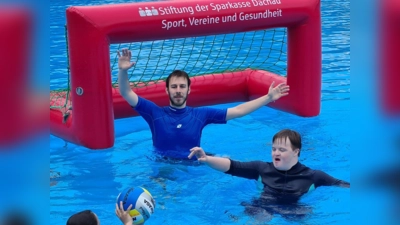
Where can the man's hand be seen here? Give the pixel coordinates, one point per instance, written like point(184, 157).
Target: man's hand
point(124, 60)
point(199, 153)
point(280, 90)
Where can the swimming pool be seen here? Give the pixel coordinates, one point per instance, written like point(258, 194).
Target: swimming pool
point(191, 194)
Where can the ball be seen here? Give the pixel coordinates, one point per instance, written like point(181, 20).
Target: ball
point(142, 202)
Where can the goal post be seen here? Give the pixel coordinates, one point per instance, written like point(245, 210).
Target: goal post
point(389, 56)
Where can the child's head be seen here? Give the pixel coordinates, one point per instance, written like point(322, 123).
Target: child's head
point(86, 217)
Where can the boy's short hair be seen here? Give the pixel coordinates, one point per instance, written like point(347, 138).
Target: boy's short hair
point(86, 217)
point(294, 138)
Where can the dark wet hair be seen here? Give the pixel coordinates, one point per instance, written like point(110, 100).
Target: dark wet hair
point(178, 73)
point(15, 218)
point(294, 138)
point(86, 217)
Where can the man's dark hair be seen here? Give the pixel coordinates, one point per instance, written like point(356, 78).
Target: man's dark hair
point(86, 217)
point(294, 138)
point(178, 73)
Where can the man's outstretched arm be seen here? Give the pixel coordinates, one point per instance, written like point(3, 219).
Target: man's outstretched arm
point(243, 109)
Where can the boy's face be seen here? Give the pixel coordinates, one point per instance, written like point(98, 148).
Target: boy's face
point(283, 156)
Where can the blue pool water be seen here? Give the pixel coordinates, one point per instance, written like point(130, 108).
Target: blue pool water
point(193, 194)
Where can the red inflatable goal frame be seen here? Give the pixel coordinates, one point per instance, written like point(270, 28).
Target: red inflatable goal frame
point(95, 104)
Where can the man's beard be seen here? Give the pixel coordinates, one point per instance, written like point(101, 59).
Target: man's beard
point(177, 105)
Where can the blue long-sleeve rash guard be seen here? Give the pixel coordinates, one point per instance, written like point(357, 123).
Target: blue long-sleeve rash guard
point(175, 131)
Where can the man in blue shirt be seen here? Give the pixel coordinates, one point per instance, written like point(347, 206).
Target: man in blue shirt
point(177, 128)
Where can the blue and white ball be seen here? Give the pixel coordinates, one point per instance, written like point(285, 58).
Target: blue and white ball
point(142, 202)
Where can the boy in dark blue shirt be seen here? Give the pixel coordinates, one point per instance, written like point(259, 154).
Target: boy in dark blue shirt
point(284, 176)
point(284, 179)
